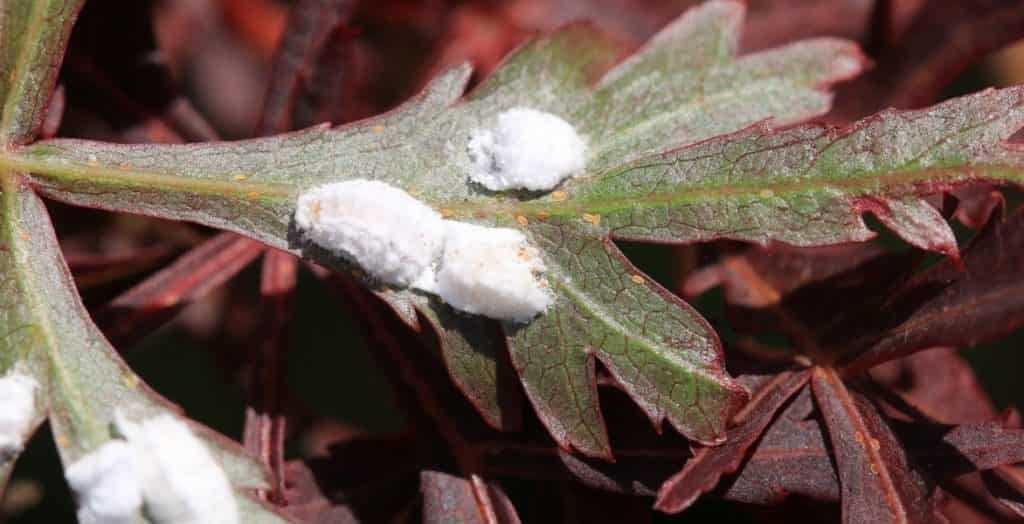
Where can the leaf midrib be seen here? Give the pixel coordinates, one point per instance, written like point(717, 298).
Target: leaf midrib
point(59, 168)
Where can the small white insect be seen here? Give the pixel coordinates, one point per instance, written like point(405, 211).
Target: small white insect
point(17, 396)
point(387, 231)
point(492, 272)
point(526, 149)
point(106, 485)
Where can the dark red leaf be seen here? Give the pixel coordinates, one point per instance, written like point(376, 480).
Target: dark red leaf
point(792, 458)
point(113, 73)
point(354, 480)
point(762, 277)
point(878, 483)
point(954, 450)
point(976, 204)
point(93, 269)
point(940, 43)
point(969, 501)
point(306, 501)
point(942, 387)
point(703, 471)
point(940, 384)
point(153, 301)
point(309, 59)
point(1007, 485)
point(265, 421)
point(447, 498)
point(636, 471)
point(953, 306)
point(776, 22)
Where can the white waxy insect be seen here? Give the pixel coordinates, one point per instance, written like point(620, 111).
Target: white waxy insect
point(17, 396)
point(159, 468)
point(487, 271)
point(106, 484)
point(392, 235)
point(181, 482)
point(525, 149)
point(493, 272)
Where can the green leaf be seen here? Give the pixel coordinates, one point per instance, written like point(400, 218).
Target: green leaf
point(474, 351)
point(686, 85)
point(83, 381)
point(46, 331)
point(657, 347)
point(33, 34)
point(809, 185)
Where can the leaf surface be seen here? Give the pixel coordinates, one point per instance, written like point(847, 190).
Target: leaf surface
point(942, 41)
point(82, 379)
point(804, 186)
point(950, 304)
point(792, 458)
point(703, 471)
point(877, 481)
point(46, 330)
point(954, 450)
point(686, 85)
point(447, 498)
point(33, 35)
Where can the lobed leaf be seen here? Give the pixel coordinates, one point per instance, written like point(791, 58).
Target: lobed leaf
point(804, 186)
point(673, 368)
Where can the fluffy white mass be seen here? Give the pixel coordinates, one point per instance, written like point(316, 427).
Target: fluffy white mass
point(159, 468)
point(392, 235)
point(491, 272)
point(398, 239)
point(106, 485)
point(526, 149)
point(18, 401)
point(181, 482)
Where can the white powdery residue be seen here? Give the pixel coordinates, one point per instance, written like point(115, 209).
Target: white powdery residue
point(526, 149)
point(18, 401)
point(391, 234)
point(107, 485)
point(181, 483)
point(491, 272)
